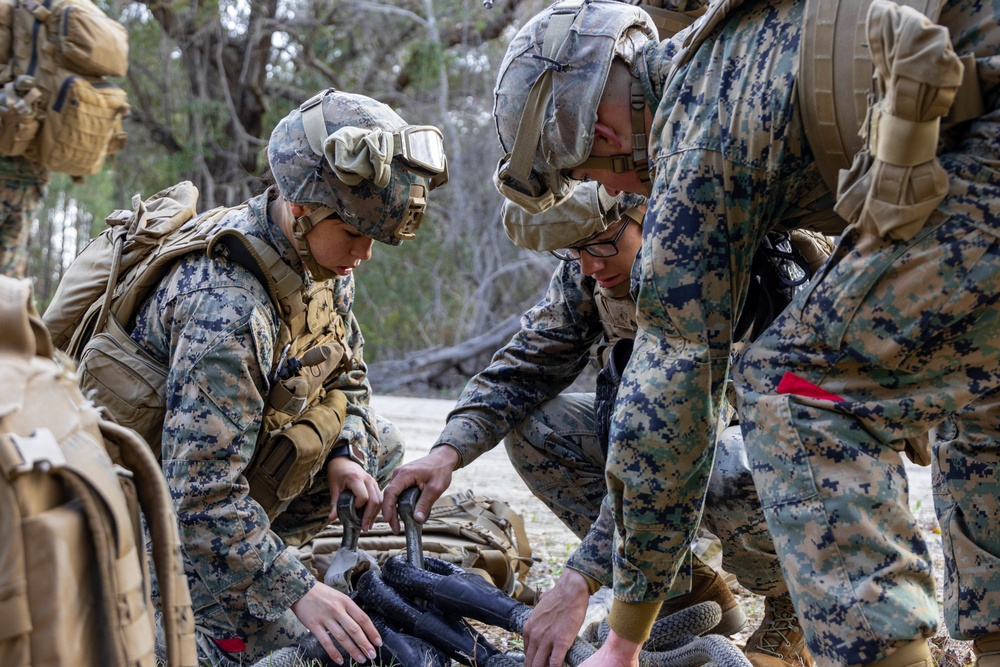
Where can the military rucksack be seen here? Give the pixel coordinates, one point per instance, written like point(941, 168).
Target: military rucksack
point(844, 88)
point(481, 535)
point(56, 106)
point(74, 581)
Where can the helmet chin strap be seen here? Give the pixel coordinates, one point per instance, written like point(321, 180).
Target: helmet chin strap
point(301, 226)
point(638, 161)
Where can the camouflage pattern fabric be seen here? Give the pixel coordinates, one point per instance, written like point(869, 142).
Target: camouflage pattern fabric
point(540, 361)
point(712, 202)
point(213, 321)
point(303, 177)
point(557, 454)
point(22, 187)
point(894, 339)
point(551, 441)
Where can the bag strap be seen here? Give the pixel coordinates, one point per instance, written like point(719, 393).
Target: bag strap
point(154, 498)
point(21, 329)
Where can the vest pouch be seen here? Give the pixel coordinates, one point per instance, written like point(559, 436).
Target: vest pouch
point(82, 121)
point(17, 129)
point(59, 579)
point(287, 463)
point(116, 373)
point(90, 43)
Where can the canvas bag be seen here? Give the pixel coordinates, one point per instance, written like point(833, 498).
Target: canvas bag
point(481, 535)
point(74, 581)
point(58, 108)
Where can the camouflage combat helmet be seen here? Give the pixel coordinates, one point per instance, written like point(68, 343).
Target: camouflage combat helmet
point(559, 62)
point(354, 157)
point(587, 212)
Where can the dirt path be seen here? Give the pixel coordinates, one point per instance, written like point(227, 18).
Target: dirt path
point(492, 475)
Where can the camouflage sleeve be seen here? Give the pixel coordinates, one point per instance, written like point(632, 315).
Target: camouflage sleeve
point(214, 322)
point(543, 358)
point(724, 143)
point(359, 430)
point(593, 555)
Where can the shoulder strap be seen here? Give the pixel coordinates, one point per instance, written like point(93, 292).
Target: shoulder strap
point(154, 498)
point(21, 329)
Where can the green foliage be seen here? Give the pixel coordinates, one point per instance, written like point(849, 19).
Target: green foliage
point(406, 298)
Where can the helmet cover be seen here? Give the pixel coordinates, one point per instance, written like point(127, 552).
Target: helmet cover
point(602, 30)
point(305, 177)
point(588, 211)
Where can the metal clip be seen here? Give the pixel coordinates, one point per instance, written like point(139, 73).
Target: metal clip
point(39, 450)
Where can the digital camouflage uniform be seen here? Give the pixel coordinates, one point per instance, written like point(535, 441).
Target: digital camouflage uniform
point(216, 325)
point(894, 339)
point(551, 440)
point(22, 186)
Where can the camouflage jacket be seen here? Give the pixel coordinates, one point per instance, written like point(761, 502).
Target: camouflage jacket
point(540, 361)
point(730, 154)
point(213, 324)
point(23, 169)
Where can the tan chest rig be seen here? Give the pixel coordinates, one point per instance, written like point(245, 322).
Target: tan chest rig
point(302, 419)
point(617, 313)
point(616, 308)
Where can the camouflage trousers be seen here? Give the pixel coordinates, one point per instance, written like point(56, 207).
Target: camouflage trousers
point(18, 201)
point(557, 454)
point(893, 339)
point(304, 518)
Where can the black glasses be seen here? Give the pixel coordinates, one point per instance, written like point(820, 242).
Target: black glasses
point(598, 249)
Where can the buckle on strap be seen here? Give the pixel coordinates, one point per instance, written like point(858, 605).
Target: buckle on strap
point(40, 450)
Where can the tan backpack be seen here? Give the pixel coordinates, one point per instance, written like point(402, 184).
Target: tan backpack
point(56, 107)
point(480, 535)
point(74, 581)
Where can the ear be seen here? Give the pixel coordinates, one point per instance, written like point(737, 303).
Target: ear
point(298, 210)
point(604, 132)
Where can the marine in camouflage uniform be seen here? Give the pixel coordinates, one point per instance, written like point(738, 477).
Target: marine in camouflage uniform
point(215, 325)
point(22, 187)
point(552, 436)
point(730, 157)
point(897, 338)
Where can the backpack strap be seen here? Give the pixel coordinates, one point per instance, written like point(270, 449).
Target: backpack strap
point(21, 329)
point(154, 498)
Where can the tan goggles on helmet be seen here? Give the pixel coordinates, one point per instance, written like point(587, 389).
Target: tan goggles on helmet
point(421, 148)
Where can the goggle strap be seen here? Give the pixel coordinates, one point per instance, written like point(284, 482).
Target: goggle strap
point(529, 130)
point(314, 124)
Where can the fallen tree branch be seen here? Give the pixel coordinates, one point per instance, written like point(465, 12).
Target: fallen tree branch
point(425, 366)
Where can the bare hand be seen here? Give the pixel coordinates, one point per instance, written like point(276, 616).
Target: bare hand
point(555, 621)
point(431, 473)
point(345, 474)
point(615, 652)
point(327, 612)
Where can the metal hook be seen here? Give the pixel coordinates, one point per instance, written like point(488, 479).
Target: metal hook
point(406, 504)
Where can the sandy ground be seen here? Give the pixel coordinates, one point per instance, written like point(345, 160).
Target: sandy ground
point(492, 475)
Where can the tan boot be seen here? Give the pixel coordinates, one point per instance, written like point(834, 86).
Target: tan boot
point(778, 641)
point(914, 654)
point(987, 650)
point(707, 584)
